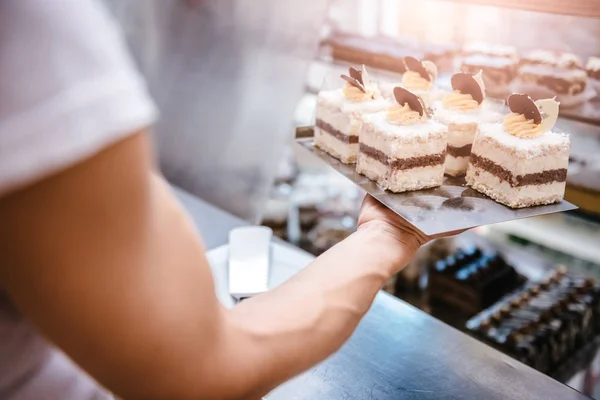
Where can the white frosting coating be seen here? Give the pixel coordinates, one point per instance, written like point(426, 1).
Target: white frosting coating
point(593, 64)
point(556, 159)
point(461, 137)
point(479, 114)
point(336, 98)
point(405, 132)
point(532, 148)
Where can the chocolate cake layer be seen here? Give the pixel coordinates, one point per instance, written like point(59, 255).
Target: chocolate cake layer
point(462, 151)
point(556, 84)
point(385, 53)
point(538, 178)
point(378, 53)
point(405, 163)
point(593, 73)
point(325, 127)
point(498, 73)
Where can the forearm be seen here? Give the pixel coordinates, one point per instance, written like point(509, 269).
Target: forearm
point(286, 331)
point(149, 325)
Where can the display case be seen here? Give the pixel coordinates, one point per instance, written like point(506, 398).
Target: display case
point(543, 48)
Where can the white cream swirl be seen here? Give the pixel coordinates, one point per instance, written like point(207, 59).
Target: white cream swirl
point(356, 95)
point(412, 80)
point(519, 126)
point(403, 115)
point(459, 101)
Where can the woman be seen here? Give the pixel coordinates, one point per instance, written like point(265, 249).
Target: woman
point(99, 259)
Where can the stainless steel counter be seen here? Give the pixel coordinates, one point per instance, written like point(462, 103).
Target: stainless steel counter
point(399, 352)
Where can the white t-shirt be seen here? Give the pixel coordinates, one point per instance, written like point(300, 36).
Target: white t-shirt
point(68, 89)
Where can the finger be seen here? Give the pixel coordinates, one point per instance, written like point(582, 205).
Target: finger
point(368, 201)
point(447, 234)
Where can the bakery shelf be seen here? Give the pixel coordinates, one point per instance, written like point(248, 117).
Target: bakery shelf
point(583, 8)
point(560, 232)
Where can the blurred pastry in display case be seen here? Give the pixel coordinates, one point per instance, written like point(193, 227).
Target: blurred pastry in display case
point(546, 74)
point(521, 162)
point(308, 198)
point(277, 211)
point(442, 55)
point(386, 53)
point(546, 57)
point(308, 208)
point(497, 62)
point(488, 49)
point(419, 78)
point(545, 323)
point(498, 72)
point(382, 53)
point(462, 111)
point(471, 280)
point(402, 149)
point(330, 231)
point(408, 281)
point(287, 171)
point(338, 115)
point(593, 72)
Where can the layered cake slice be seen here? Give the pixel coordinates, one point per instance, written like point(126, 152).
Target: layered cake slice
point(521, 162)
point(402, 149)
point(545, 57)
point(489, 49)
point(462, 111)
point(543, 74)
point(498, 72)
point(418, 78)
point(339, 114)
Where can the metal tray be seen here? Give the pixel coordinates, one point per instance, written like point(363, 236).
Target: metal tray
point(451, 207)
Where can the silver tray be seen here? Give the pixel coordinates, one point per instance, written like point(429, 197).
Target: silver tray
point(451, 207)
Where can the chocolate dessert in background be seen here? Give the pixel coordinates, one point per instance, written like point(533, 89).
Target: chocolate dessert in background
point(544, 323)
point(545, 73)
point(378, 53)
point(471, 280)
point(387, 53)
point(498, 72)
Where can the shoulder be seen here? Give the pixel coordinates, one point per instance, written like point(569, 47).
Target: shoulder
point(69, 87)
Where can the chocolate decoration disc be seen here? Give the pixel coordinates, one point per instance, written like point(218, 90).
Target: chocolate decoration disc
point(354, 83)
point(403, 97)
point(523, 104)
point(412, 64)
point(357, 74)
point(465, 83)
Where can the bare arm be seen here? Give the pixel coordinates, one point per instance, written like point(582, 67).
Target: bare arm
point(103, 259)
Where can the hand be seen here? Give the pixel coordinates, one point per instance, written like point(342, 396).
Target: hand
point(374, 215)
